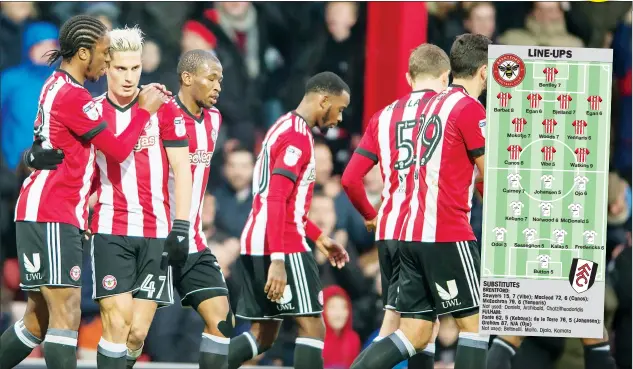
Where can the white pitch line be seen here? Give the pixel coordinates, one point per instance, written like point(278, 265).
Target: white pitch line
point(550, 170)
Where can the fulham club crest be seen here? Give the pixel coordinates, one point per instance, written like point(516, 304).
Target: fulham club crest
point(582, 274)
point(508, 70)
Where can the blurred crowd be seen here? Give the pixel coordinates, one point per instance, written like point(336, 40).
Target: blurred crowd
point(268, 50)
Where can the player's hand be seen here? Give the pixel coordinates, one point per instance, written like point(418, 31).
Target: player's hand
point(87, 234)
point(159, 86)
point(276, 282)
point(176, 248)
point(151, 98)
point(371, 224)
point(335, 252)
point(40, 158)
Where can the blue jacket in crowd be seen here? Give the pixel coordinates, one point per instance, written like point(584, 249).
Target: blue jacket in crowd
point(19, 95)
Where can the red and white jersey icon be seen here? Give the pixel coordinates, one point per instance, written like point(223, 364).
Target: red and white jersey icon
point(550, 74)
point(594, 102)
point(579, 126)
point(549, 125)
point(514, 150)
point(548, 153)
point(504, 98)
point(581, 154)
point(564, 101)
point(519, 123)
point(535, 100)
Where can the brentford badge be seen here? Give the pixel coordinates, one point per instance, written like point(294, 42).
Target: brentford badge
point(75, 273)
point(109, 282)
point(508, 70)
point(582, 274)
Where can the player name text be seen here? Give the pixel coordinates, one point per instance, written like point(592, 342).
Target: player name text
point(593, 113)
point(547, 192)
point(563, 112)
point(505, 190)
point(574, 137)
point(504, 110)
point(534, 111)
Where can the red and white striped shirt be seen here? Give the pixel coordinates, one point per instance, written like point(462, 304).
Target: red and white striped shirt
point(67, 118)
point(519, 124)
point(388, 140)
point(504, 98)
point(581, 154)
point(564, 101)
point(548, 153)
point(535, 100)
point(202, 132)
point(450, 134)
point(287, 149)
point(549, 125)
point(515, 151)
point(550, 74)
point(594, 102)
point(133, 198)
point(579, 126)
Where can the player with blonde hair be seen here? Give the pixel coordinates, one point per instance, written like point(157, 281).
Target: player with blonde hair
point(135, 240)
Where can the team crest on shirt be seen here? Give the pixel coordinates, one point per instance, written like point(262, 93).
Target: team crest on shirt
point(90, 109)
point(75, 273)
point(292, 155)
point(179, 124)
point(109, 282)
point(214, 134)
point(508, 70)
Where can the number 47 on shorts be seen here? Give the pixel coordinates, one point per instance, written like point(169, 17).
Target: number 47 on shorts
point(148, 286)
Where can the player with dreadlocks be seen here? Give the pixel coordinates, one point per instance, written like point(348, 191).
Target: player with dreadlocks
point(52, 209)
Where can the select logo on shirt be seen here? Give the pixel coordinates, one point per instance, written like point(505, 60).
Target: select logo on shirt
point(200, 157)
point(508, 70)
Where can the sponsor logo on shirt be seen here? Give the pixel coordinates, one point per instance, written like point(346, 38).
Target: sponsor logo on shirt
point(200, 157)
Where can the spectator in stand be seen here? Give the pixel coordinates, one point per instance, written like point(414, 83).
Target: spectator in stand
point(357, 281)
point(234, 197)
point(20, 91)
point(236, 32)
point(480, 18)
point(351, 220)
point(337, 46)
point(348, 218)
point(342, 344)
point(156, 68)
point(15, 15)
point(544, 26)
point(445, 23)
point(324, 166)
point(620, 275)
point(621, 131)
